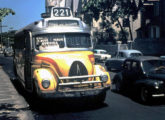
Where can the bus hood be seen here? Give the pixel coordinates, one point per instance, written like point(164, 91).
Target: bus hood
point(71, 63)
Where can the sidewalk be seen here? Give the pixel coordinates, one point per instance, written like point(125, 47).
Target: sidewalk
point(12, 105)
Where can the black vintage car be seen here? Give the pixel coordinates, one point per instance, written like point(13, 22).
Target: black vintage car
point(143, 76)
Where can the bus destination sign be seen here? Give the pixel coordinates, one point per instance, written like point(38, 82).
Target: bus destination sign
point(61, 12)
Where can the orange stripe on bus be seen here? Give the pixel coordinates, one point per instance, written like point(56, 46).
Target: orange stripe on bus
point(50, 61)
point(91, 58)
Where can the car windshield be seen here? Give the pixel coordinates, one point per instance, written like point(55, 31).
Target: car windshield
point(56, 41)
point(154, 65)
point(135, 54)
point(103, 52)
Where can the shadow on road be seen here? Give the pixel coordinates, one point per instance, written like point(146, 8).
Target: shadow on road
point(7, 111)
point(43, 106)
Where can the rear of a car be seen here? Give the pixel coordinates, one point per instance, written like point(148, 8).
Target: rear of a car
point(101, 55)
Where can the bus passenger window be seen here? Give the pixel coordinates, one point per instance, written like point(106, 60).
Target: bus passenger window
point(78, 41)
point(49, 41)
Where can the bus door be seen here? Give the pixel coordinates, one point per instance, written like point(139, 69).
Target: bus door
point(28, 60)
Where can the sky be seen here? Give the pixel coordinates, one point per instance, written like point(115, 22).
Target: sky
point(27, 11)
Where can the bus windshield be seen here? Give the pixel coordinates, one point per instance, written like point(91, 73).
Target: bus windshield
point(56, 41)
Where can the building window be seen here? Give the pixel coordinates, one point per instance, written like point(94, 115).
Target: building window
point(156, 9)
point(155, 32)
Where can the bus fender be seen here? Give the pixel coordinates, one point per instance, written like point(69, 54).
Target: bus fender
point(45, 80)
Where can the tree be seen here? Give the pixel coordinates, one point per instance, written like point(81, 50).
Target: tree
point(113, 10)
point(8, 37)
point(4, 12)
point(123, 35)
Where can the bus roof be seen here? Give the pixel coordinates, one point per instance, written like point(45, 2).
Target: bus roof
point(56, 25)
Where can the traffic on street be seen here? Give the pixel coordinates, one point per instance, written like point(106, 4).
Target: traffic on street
point(82, 60)
point(116, 106)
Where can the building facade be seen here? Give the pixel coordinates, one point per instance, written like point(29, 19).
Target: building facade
point(148, 29)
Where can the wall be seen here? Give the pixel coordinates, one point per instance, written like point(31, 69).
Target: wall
point(150, 46)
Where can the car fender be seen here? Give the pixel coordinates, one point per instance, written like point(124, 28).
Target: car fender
point(145, 82)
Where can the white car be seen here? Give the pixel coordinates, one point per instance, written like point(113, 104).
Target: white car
point(8, 52)
point(115, 63)
point(101, 55)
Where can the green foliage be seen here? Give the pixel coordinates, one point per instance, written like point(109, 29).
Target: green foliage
point(8, 36)
point(112, 10)
point(4, 12)
point(95, 7)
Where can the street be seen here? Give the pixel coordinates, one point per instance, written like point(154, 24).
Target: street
point(16, 104)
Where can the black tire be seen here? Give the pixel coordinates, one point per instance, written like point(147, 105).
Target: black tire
point(118, 83)
point(118, 86)
point(144, 95)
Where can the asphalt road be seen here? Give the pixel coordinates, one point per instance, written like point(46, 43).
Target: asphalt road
point(116, 106)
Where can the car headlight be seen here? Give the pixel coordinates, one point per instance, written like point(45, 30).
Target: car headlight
point(45, 83)
point(104, 78)
point(158, 83)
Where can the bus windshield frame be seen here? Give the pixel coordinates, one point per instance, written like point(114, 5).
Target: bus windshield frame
point(56, 41)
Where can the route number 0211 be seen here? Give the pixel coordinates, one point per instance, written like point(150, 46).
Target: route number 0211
point(61, 12)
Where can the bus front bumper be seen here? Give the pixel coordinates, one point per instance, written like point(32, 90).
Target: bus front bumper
point(74, 93)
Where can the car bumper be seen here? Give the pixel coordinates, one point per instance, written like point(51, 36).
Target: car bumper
point(74, 93)
point(158, 91)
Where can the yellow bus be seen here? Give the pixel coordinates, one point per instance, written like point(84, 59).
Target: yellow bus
point(53, 57)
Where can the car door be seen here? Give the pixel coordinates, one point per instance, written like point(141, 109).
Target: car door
point(126, 72)
point(134, 73)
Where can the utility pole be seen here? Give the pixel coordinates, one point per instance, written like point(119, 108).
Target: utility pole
point(8, 38)
point(1, 26)
point(1, 32)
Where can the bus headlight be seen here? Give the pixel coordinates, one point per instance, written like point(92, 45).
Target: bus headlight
point(104, 78)
point(45, 84)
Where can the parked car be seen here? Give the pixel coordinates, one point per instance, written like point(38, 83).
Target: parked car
point(8, 52)
point(101, 55)
point(115, 63)
point(1, 50)
point(144, 76)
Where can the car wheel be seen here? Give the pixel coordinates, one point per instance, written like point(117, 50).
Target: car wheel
point(144, 95)
point(118, 86)
point(118, 83)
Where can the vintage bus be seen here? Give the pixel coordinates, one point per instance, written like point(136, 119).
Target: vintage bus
point(53, 58)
